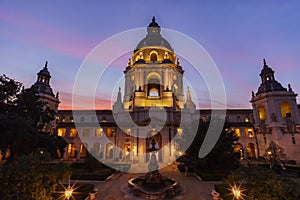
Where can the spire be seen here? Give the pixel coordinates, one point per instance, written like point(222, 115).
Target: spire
point(118, 105)
point(188, 95)
point(153, 23)
point(119, 95)
point(265, 63)
point(46, 65)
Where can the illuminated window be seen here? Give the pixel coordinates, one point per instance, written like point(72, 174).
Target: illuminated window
point(85, 132)
point(98, 132)
point(71, 119)
point(83, 151)
point(110, 132)
point(104, 119)
point(249, 132)
point(61, 132)
point(237, 132)
point(179, 131)
point(261, 113)
point(285, 109)
point(246, 119)
point(63, 119)
point(71, 150)
point(73, 132)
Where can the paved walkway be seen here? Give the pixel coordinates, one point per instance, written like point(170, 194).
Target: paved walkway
point(195, 189)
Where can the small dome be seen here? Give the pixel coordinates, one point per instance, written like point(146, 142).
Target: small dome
point(44, 71)
point(154, 38)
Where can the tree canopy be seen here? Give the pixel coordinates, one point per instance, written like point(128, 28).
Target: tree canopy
point(22, 118)
point(222, 155)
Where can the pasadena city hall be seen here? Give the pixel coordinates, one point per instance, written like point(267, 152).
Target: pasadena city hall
point(154, 81)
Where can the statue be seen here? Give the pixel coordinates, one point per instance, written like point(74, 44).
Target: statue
point(290, 88)
point(153, 166)
point(178, 61)
point(129, 62)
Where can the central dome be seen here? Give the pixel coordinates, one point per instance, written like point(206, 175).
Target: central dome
point(154, 38)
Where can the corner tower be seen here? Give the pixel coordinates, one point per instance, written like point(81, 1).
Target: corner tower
point(153, 76)
point(276, 114)
point(42, 85)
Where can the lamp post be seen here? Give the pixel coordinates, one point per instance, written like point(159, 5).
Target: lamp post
point(270, 158)
point(236, 192)
point(68, 191)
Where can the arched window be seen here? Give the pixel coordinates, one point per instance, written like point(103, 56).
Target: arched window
point(261, 113)
point(285, 109)
point(153, 92)
point(238, 148)
point(153, 57)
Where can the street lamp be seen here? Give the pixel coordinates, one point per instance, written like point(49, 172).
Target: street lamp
point(68, 192)
point(236, 192)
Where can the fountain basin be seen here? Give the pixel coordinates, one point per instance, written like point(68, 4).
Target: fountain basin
point(154, 186)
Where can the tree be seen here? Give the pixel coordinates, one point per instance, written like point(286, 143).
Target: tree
point(22, 119)
point(263, 184)
point(274, 154)
point(31, 177)
point(222, 156)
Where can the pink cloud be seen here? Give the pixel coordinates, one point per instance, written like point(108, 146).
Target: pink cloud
point(51, 37)
point(66, 103)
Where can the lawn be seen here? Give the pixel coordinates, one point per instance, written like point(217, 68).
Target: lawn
point(97, 175)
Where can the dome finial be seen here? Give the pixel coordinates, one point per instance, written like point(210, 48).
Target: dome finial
point(153, 23)
point(46, 65)
point(265, 63)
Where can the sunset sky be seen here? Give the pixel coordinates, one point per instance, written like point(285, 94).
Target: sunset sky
point(236, 34)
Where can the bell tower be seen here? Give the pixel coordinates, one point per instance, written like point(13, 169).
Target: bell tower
point(276, 114)
point(153, 76)
point(42, 85)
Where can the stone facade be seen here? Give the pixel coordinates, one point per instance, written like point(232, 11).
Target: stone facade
point(154, 89)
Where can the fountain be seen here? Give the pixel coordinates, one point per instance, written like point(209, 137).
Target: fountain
point(153, 185)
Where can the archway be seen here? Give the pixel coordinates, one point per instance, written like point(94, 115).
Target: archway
point(251, 150)
point(72, 152)
point(154, 141)
point(83, 151)
point(109, 151)
point(153, 87)
point(238, 148)
point(153, 57)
